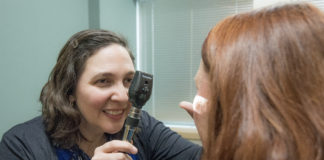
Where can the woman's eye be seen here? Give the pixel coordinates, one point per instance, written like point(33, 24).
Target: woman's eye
point(103, 82)
point(128, 81)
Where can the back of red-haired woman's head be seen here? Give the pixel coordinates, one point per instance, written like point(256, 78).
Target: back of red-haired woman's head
point(266, 69)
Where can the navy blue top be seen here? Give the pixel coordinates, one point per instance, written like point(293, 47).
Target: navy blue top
point(154, 141)
point(75, 153)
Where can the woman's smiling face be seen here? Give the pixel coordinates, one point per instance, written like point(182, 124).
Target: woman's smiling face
point(101, 92)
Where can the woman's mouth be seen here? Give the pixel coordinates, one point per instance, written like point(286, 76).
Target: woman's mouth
point(114, 114)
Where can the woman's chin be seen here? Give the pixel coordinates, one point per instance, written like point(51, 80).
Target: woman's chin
point(113, 130)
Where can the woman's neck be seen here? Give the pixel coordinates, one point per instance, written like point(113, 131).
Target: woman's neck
point(93, 139)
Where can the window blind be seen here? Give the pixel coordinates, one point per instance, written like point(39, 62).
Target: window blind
point(171, 33)
point(318, 3)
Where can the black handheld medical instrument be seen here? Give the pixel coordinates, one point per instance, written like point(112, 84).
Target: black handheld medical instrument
point(139, 92)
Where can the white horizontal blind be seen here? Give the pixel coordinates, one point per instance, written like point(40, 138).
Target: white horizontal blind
point(318, 3)
point(171, 33)
point(263, 3)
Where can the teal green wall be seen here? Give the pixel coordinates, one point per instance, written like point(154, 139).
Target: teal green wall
point(31, 35)
point(125, 23)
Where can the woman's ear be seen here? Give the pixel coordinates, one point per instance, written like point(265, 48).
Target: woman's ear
point(72, 99)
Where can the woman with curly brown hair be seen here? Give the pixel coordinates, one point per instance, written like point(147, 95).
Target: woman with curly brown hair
point(85, 104)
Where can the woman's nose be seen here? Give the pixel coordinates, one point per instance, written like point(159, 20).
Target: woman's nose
point(120, 92)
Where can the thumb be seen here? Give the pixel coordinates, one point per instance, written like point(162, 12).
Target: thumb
point(187, 106)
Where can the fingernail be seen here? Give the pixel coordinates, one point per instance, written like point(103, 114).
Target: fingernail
point(134, 150)
point(198, 101)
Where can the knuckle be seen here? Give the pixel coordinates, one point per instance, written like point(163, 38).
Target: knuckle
point(97, 149)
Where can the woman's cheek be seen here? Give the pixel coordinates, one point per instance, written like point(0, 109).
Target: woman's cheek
point(98, 100)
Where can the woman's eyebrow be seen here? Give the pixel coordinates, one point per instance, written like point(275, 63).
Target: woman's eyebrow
point(130, 73)
point(102, 74)
point(109, 74)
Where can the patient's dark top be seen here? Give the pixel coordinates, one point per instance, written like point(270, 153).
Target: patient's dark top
point(29, 141)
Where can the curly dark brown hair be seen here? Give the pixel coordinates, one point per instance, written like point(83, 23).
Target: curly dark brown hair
point(61, 117)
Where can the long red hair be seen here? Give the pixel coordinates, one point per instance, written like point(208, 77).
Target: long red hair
point(266, 69)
